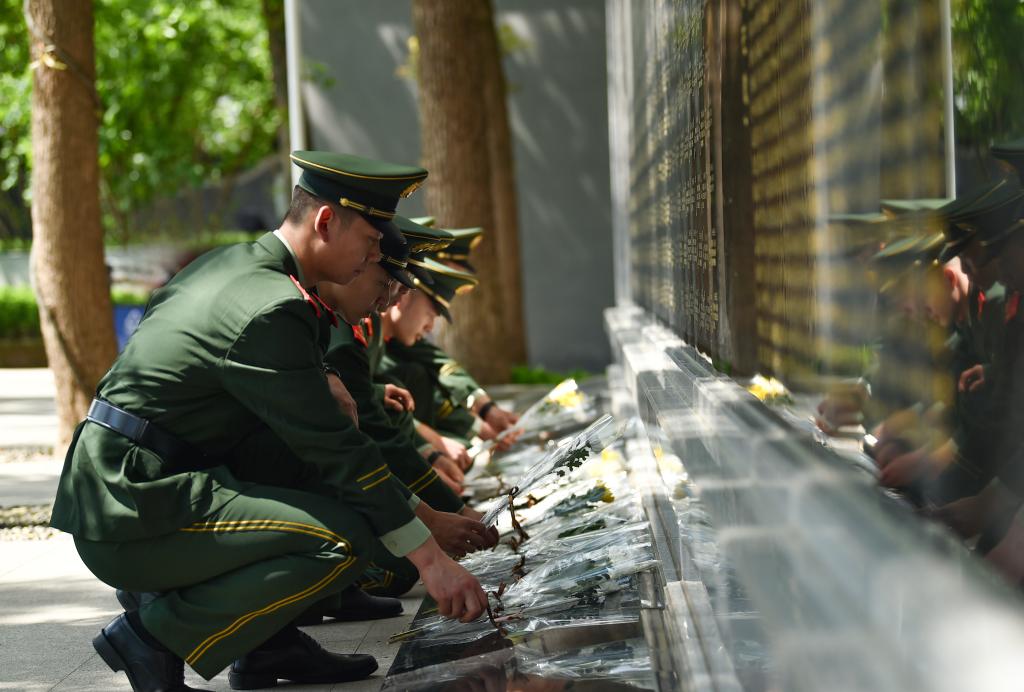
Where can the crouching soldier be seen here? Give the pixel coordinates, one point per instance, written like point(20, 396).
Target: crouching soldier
point(165, 491)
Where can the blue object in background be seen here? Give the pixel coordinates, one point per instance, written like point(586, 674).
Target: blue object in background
point(126, 321)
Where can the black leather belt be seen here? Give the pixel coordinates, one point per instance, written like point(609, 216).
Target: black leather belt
point(177, 454)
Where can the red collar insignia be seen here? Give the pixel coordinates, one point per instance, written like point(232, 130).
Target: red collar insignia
point(305, 294)
point(330, 311)
point(357, 331)
point(1011, 306)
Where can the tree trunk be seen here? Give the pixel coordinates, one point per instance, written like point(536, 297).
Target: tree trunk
point(467, 149)
point(273, 18)
point(68, 269)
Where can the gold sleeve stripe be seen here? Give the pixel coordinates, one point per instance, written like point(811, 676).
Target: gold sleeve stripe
point(449, 368)
point(382, 467)
point(428, 472)
point(203, 647)
point(377, 482)
point(420, 485)
point(265, 525)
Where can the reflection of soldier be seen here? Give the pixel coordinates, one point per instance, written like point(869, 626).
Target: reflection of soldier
point(995, 512)
point(956, 465)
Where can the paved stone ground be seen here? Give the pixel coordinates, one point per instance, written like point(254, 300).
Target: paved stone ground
point(51, 606)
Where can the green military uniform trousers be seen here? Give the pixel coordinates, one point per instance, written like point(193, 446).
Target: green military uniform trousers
point(235, 578)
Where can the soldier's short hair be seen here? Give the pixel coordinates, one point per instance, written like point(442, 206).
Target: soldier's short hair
point(304, 202)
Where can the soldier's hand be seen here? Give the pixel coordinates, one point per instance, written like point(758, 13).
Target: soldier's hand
point(398, 399)
point(510, 438)
point(457, 451)
point(448, 466)
point(972, 378)
point(456, 534)
point(500, 419)
point(457, 592)
point(967, 516)
point(340, 393)
point(452, 484)
point(486, 432)
point(492, 532)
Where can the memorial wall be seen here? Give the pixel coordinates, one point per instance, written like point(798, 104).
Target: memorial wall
point(763, 137)
point(782, 183)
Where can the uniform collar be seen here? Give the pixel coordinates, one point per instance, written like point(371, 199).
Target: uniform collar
point(295, 260)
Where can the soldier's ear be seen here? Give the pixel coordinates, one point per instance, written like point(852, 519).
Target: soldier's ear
point(321, 220)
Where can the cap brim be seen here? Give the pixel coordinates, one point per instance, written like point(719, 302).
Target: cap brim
point(420, 273)
point(382, 225)
point(401, 275)
point(951, 250)
point(442, 309)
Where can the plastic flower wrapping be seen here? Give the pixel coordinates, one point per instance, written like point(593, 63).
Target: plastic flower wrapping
point(565, 407)
point(564, 581)
point(559, 462)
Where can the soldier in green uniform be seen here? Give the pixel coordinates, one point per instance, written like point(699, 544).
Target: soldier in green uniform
point(216, 467)
point(354, 352)
point(460, 408)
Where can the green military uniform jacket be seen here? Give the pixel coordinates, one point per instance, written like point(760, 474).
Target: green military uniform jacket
point(356, 352)
point(979, 340)
point(229, 351)
point(436, 377)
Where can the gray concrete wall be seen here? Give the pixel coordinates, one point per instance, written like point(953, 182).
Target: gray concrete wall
point(559, 114)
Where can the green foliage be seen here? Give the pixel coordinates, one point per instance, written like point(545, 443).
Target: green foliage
point(526, 374)
point(15, 118)
point(988, 53)
point(187, 94)
point(204, 240)
point(120, 296)
point(19, 314)
point(16, 244)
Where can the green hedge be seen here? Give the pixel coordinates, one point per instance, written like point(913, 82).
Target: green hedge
point(19, 313)
point(200, 241)
point(525, 374)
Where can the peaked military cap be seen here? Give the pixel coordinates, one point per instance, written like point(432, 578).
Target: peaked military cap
point(369, 187)
point(427, 221)
point(465, 240)
point(893, 208)
point(1013, 154)
point(980, 214)
point(395, 255)
point(446, 283)
point(904, 255)
point(422, 238)
point(993, 241)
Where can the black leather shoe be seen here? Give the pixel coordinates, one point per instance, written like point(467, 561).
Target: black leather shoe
point(300, 660)
point(133, 600)
point(350, 605)
point(148, 669)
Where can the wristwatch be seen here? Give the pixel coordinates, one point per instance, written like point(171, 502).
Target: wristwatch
point(477, 394)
